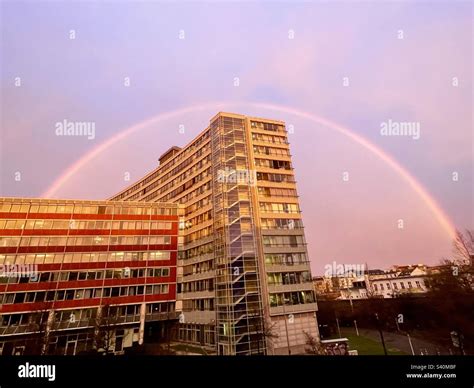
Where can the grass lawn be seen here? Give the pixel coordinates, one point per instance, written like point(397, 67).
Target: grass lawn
point(366, 346)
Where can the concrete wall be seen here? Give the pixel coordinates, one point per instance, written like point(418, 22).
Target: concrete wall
point(296, 324)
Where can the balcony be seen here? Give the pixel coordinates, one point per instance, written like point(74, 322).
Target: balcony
point(287, 267)
point(272, 288)
point(285, 249)
point(200, 317)
point(199, 276)
point(196, 295)
point(298, 308)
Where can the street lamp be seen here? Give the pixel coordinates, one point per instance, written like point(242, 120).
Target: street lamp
point(286, 328)
point(381, 334)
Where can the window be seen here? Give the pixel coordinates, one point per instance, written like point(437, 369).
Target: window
point(402, 285)
point(409, 284)
point(30, 297)
point(40, 296)
point(5, 207)
point(19, 297)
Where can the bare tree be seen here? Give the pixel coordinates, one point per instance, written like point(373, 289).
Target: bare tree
point(463, 245)
point(313, 346)
point(41, 328)
point(452, 284)
point(265, 329)
point(454, 277)
point(105, 326)
point(450, 280)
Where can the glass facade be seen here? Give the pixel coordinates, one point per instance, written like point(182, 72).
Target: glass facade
point(239, 309)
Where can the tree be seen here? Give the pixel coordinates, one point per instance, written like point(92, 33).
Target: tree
point(265, 329)
point(452, 278)
point(451, 288)
point(313, 346)
point(105, 326)
point(463, 245)
point(41, 327)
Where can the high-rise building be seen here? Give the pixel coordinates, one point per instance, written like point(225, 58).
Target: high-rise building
point(244, 281)
point(78, 275)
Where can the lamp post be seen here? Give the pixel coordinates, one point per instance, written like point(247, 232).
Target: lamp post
point(411, 345)
point(286, 329)
point(355, 325)
point(381, 334)
point(338, 328)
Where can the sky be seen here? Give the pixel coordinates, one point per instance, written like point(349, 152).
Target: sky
point(149, 75)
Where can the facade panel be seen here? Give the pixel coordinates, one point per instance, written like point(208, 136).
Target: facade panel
point(69, 267)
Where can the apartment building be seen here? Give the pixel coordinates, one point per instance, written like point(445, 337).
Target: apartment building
point(398, 281)
point(244, 281)
point(391, 283)
point(77, 275)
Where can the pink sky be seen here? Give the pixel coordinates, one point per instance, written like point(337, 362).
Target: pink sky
point(404, 80)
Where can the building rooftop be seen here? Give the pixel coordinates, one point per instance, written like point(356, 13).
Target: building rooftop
point(168, 154)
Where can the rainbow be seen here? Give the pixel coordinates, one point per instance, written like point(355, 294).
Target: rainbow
point(421, 191)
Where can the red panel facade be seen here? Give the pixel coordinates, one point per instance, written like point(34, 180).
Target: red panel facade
point(72, 276)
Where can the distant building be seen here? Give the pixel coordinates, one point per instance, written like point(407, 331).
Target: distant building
point(357, 290)
point(392, 283)
point(400, 280)
point(322, 285)
point(326, 288)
